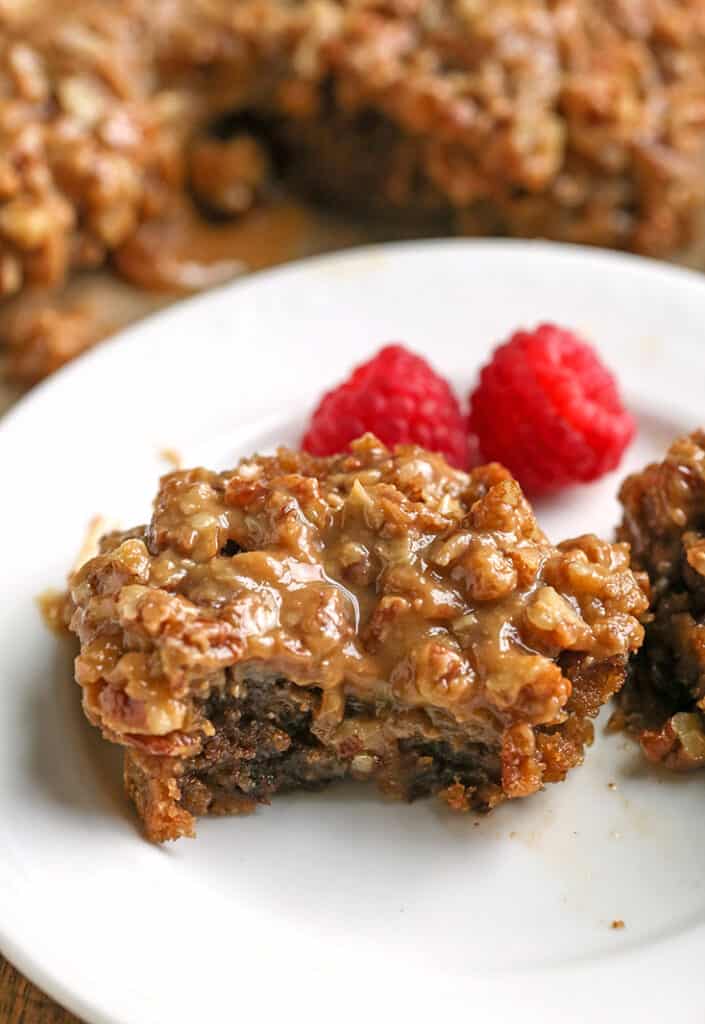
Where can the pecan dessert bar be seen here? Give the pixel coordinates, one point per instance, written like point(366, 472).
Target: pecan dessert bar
point(377, 615)
point(582, 120)
point(664, 522)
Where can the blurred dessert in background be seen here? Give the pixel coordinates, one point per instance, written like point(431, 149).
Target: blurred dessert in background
point(664, 523)
point(176, 143)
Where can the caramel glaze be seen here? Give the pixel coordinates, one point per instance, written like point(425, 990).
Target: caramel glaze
point(426, 598)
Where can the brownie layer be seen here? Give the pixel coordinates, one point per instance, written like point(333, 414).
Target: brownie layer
point(264, 743)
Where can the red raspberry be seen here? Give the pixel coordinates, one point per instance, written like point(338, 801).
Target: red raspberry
point(549, 410)
point(398, 397)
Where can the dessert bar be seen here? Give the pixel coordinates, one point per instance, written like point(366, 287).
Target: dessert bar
point(664, 522)
point(376, 615)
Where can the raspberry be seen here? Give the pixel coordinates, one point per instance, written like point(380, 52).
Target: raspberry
point(398, 397)
point(549, 410)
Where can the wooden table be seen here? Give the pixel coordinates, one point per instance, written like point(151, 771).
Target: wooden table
point(22, 1003)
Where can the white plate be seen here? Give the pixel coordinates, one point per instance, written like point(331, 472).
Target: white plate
point(337, 906)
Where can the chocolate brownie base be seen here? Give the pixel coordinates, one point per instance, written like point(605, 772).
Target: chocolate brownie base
point(263, 744)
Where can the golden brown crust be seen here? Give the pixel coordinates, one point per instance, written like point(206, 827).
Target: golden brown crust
point(152, 784)
point(417, 614)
